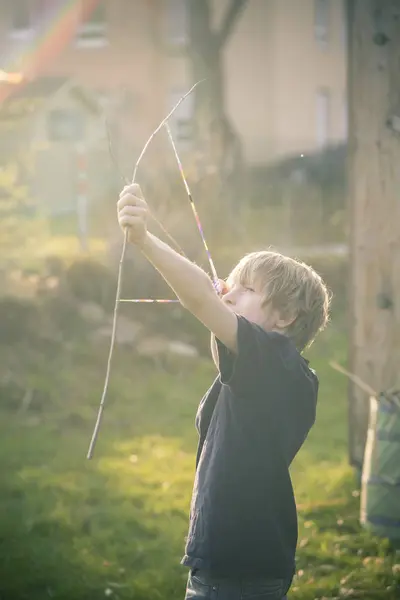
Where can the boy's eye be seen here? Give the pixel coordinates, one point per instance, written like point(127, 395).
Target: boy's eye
point(249, 289)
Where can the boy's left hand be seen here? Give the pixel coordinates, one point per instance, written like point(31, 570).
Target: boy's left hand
point(133, 213)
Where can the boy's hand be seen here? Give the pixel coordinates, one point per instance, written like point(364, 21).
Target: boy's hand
point(223, 287)
point(133, 213)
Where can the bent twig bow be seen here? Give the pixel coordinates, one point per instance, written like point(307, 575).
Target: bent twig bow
point(118, 299)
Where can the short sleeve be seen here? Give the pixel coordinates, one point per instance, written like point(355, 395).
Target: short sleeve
point(261, 356)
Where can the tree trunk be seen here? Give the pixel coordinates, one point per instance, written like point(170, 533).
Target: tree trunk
point(374, 192)
point(206, 65)
point(217, 144)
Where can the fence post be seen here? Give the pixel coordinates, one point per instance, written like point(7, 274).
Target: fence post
point(82, 196)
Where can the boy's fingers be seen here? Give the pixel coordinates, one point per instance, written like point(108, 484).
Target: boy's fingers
point(133, 211)
point(132, 188)
point(129, 221)
point(128, 199)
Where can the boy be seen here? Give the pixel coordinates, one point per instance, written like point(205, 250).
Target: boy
point(254, 418)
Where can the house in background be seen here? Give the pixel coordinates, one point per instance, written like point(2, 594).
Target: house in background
point(285, 74)
point(285, 68)
point(109, 48)
point(54, 123)
point(293, 80)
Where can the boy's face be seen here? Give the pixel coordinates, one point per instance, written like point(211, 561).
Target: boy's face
point(247, 301)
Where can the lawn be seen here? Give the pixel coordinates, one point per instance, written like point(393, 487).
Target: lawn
point(73, 529)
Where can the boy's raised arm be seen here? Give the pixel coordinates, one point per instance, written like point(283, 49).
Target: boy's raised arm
point(194, 290)
point(190, 283)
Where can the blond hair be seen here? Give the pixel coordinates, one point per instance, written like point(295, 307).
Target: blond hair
point(291, 287)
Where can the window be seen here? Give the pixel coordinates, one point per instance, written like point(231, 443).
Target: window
point(65, 126)
point(323, 102)
point(182, 119)
point(92, 33)
point(176, 22)
point(27, 16)
point(345, 117)
point(321, 22)
point(21, 19)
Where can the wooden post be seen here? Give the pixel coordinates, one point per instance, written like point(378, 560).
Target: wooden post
point(82, 196)
point(374, 203)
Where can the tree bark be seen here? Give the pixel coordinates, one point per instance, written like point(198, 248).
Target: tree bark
point(374, 206)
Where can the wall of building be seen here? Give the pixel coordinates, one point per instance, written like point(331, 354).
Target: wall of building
point(278, 77)
point(285, 90)
point(310, 78)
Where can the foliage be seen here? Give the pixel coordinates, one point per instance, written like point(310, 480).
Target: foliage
point(20, 227)
point(90, 281)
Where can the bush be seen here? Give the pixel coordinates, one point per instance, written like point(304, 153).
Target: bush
point(19, 320)
point(20, 226)
point(91, 281)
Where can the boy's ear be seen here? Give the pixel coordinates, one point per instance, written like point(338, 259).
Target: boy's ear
point(282, 323)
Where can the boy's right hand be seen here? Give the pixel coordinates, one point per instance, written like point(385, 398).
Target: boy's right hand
point(133, 213)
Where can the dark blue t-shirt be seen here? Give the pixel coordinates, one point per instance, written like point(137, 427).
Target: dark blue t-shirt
point(251, 423)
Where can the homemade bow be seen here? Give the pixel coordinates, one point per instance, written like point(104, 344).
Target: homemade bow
point(118, 298)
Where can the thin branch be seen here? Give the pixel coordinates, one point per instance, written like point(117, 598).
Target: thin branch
point(391, 395)
point(149, 300)
point(169, 115)
point(354, 378)
point(111, 352)
point(126, 182)
point(119, 283)
point(111, 152)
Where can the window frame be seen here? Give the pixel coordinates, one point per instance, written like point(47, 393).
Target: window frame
point(93, 33)
point(322, 20)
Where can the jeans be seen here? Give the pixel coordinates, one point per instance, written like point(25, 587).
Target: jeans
point(203, 586)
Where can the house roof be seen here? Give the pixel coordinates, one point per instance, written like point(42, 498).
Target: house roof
point(31, 97)
point(42, 87)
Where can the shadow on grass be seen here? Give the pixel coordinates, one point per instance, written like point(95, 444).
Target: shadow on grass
point(337, 558)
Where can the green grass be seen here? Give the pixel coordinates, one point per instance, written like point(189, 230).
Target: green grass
point(73, 529)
